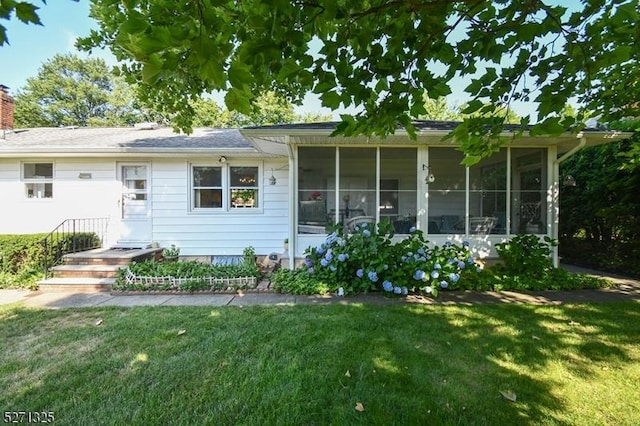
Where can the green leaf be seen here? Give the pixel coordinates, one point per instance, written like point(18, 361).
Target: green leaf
point(472, 106)
point(151, 70)
point(239, 75)
point(213, 72)
point(26, 12)
point(237, 100)
point(330, 99)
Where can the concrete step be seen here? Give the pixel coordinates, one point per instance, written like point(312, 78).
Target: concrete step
point(105, 256)
point(83, 271)
point(79, 285)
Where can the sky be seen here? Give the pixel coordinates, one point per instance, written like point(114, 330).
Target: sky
point(65, 20)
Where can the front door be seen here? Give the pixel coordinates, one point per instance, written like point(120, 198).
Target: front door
point(135, 205)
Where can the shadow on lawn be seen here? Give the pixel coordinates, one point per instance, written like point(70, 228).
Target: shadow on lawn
point(407, 364)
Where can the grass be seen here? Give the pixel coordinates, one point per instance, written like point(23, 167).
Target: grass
point(311, 364)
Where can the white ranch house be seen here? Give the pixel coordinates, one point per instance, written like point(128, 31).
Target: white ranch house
point(215, 192)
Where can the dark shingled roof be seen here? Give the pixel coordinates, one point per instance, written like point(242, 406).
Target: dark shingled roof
point(122, 138)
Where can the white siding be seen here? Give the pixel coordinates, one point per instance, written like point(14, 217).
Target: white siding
point(218, 232)
point(215, 233)
point(72, 197)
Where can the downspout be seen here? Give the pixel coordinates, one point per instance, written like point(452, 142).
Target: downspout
point(556, 173)
point(293, 194)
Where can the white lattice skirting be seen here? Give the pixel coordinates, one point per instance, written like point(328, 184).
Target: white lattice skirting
point(173, 283)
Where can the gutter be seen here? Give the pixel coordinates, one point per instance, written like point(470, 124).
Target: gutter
point(572, 151)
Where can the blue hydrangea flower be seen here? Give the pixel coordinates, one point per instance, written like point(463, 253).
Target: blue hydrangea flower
point(444, 284)
point(320, 250)
point(428, 289)
point(329, 255)
point(311, 270)
point(478, 268)
point(333, 268)
point(453, 277)
point(465, 243)
point(387, 286)
point(412, 229)
point(421, 251)
point(437, 266)
point(405, 291)
point(397, 290)
point(385, 267)
point(428, 257)
point(308, 262)
point(447, 244)
point(461, 264)
point(418, 275)
point(470, 261)
point(373, 277)
point(366, 233)
point(360, 273)
point(324, 262)
point(342, 257)
point(450, 261)
point(435, 274)
point(410, 254)
point(341, 242)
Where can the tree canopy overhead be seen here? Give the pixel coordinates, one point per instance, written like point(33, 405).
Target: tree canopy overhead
point(382, 55)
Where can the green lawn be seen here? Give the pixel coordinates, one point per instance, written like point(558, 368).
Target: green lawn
point(406, 364)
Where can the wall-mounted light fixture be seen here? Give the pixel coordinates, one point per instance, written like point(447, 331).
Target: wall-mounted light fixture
point(429, 177)
point(569, 181)
point(83, 175)
point(222, 159)
point(272, 179)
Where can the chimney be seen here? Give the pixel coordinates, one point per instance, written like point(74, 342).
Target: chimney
point(6, 109)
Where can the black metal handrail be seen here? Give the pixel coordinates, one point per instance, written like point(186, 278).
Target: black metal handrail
point(73, 236)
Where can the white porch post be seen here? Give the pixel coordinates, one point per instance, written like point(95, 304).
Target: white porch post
point(553, 200)
point(293, 203)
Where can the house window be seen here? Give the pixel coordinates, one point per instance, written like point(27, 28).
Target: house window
point(207, 187)
point(38, 180)
point(243, 187)
point(224, 187)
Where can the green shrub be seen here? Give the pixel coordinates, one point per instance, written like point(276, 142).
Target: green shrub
point(22, 255)
point(369, 259)
point(298, 282)
point(526, 255)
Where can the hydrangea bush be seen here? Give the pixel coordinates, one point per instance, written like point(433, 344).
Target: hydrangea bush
point(369, 259)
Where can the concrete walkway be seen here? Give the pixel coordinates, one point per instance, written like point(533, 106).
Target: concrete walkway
point(626, 289)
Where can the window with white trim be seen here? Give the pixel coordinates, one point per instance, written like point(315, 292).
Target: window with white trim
point(243, 187)
point(207, 187)
point(224, 187)
point(38, 180)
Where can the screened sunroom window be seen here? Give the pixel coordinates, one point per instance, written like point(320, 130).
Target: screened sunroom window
point(447, 193)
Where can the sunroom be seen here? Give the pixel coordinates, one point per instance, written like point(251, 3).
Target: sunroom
point(421, 183)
